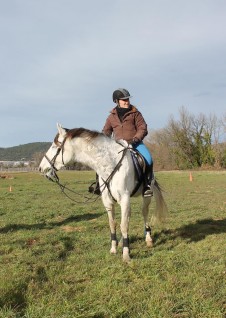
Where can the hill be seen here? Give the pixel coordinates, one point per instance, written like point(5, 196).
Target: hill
point(24, 152)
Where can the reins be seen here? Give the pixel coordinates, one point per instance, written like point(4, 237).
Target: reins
point(88, 199)
point(105, 182)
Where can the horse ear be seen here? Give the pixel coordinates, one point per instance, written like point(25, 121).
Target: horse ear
point(61, 130)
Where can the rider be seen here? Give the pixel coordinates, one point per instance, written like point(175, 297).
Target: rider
point(126, 122)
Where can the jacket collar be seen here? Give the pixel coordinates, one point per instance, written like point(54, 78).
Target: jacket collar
point(133, 110)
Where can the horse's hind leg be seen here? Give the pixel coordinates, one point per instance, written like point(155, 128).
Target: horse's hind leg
point(111, 217)
point(145, 212)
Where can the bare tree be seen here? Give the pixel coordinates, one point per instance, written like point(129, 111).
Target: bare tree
point(192, 138)
point(180, 132)
point(190, 141)
point(159, 142)
point(224, 122)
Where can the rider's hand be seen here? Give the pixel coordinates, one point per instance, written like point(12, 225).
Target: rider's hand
point(135, 141)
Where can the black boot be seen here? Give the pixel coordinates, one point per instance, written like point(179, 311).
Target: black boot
point(149, 181)
point(95, 187)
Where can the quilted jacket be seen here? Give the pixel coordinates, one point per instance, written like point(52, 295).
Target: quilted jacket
point(132, 126)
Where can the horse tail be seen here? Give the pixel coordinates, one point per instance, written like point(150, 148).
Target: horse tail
point(161, 211)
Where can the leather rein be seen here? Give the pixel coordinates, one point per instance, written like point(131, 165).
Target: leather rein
point(63, 187)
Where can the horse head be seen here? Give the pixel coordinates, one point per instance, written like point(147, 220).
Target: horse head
point(56, 156)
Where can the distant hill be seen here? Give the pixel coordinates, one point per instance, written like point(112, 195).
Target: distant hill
point(23, 152)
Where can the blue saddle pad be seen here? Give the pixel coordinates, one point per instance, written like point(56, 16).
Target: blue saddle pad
point(143, 150)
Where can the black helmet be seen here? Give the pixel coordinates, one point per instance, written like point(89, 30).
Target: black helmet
point(120, 93)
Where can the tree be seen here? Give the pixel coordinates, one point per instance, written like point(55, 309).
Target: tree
point(158, 141)
point(182, 143)
point(194, 139)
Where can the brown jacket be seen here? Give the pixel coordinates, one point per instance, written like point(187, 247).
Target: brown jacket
point(132, 126)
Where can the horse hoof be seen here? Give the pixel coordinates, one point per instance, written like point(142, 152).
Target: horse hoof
point(113, 251)
point(126, 259)
point(149, 244)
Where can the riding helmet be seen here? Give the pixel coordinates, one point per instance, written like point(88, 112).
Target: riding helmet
point(120, 93)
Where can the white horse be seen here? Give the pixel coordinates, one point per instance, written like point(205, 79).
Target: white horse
point(113, 163)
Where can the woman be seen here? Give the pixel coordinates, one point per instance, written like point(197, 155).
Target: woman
point(126, 122)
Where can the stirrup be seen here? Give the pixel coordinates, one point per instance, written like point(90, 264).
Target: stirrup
point(94, 190)
point(148, 192)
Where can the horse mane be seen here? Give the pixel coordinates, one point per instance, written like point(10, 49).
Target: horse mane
point(80, 132)
point(84, 133)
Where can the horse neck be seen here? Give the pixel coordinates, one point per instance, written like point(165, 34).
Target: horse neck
point(101, 154)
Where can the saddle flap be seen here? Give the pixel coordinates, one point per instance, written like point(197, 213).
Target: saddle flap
point(139, 164)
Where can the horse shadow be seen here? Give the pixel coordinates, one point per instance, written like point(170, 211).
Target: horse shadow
point(192, 232)
point(49, 225)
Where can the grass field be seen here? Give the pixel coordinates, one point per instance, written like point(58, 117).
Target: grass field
point(55, 260)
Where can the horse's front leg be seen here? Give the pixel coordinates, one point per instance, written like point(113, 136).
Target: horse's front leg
point(112, 223)
point(125, 216)
point(145, 212)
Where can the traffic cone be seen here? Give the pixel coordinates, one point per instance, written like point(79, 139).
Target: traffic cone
point(10, 189)
point(190, 177)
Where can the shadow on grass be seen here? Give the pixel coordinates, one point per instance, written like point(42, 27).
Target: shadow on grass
point(15, 297)
point(193, 232)
point(49, 225)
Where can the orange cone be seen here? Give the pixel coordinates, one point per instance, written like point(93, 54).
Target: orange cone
point(10, 189)
point(190, 177)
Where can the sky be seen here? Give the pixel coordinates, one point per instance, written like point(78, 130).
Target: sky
point(61, 60)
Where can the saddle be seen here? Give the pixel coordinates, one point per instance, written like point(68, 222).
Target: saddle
point(140, 168)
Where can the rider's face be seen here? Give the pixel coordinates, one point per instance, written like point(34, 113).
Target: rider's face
point(124, 103)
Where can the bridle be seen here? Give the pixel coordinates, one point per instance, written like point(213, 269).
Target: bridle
point(54, 177)
point(60, 148)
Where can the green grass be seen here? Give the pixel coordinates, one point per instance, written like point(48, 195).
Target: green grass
point(55, 260)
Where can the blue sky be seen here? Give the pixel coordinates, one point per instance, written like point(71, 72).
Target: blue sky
point(62, 59)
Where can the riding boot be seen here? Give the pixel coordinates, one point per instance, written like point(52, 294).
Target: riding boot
point(149, 181)
point(95, 187)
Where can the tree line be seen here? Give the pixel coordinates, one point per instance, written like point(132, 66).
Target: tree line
point(23, 152)
point(189, 142)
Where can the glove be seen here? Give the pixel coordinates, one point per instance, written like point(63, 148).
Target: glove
point(135, 141)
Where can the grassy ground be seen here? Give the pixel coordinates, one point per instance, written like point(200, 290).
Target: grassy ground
point(55, 260)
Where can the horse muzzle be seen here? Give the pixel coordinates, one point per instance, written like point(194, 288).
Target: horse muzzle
point(50, 174)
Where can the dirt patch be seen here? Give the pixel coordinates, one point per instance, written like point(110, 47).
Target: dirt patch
point(4, 176)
